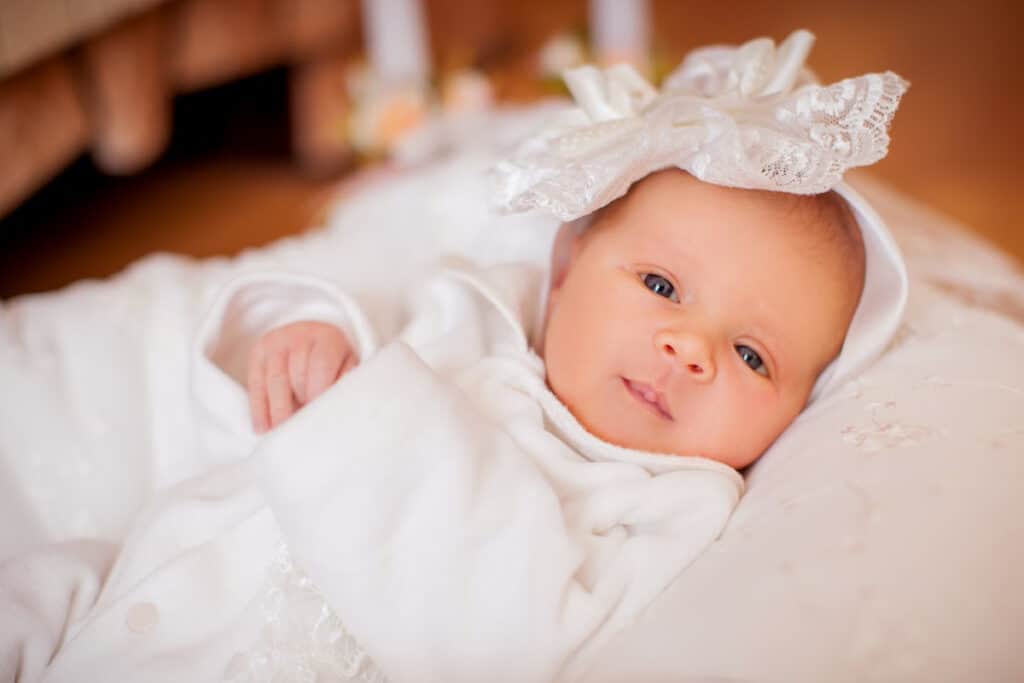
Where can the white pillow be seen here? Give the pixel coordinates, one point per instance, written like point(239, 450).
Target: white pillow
point(881, 537)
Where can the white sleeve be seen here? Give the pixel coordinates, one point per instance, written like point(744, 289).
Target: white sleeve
point(244, 310)
point(445, 547)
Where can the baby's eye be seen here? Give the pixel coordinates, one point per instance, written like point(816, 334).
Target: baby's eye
point(660, 286)
point(752, 359)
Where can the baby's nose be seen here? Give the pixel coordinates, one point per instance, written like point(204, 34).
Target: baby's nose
point(689, 351)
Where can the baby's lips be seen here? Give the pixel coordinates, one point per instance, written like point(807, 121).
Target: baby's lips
point(651, 395)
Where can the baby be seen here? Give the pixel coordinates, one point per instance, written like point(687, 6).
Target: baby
point(688, 318)
point(503, 485)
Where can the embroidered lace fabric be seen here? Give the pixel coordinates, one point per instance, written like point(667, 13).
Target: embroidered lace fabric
point(302, 639)
point(750, 117)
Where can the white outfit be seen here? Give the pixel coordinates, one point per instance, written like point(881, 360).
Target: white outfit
point(459, 521)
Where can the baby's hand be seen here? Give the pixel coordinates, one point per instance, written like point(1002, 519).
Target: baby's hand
point(292, 365)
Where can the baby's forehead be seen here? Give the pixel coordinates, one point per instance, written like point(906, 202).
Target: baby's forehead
point(690, 205)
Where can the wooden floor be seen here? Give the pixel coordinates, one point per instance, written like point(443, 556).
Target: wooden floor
point(228, 182)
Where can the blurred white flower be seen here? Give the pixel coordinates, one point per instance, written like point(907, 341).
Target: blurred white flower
point(562, 51)
point(384, 112)
point(467, 91)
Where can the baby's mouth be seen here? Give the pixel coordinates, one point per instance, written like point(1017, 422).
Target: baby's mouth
point(650, 398)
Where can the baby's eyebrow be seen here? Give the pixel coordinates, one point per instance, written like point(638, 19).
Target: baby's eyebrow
point(668, 255)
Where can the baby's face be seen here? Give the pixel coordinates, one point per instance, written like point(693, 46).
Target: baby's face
point(694, 319)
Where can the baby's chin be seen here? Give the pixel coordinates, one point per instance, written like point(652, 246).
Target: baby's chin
point(640, 437)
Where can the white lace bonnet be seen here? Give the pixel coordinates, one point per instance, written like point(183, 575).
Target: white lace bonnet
point(751, 117)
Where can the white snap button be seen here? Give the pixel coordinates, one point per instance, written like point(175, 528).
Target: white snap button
point(141, 618)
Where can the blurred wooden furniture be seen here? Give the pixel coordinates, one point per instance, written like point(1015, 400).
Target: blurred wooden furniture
point(101, 75)
point(953, 139)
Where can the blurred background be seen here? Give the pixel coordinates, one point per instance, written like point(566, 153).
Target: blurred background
point(206, 126)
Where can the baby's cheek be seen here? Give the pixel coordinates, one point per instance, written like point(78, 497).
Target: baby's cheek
point(560, 360)
point(772, 423)
point(741, 424)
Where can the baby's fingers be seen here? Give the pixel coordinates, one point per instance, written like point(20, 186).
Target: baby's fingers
point(257, 385)
point(351, 360)
point(279, 388)
point(324, 368)
point(298, 369)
